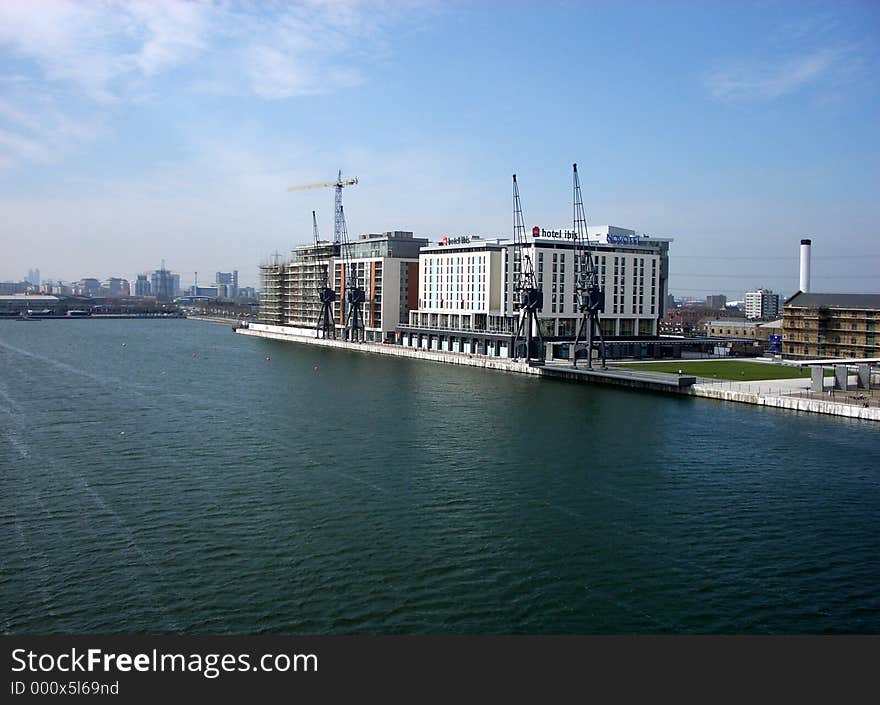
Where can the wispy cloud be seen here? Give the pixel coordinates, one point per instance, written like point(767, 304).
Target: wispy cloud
point(167, 33)
point(69, 42)
point(768, 80)
point(306, 48)
point(42, 134)
point(103, 53)
point(272, 50)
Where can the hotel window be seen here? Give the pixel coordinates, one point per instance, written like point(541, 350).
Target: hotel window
point(635, 282)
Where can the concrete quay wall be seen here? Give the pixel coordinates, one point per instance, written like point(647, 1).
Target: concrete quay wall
point(620, 378)
point(815, 406)
point(561, 371)
point(451, 358)
point(231, 322)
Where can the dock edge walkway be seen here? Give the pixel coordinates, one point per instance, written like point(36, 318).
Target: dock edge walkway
point(558, 369)
point(495, 363)
point(781, 401)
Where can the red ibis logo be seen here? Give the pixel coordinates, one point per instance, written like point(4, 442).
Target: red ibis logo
point(444, 240)
point(536, 231)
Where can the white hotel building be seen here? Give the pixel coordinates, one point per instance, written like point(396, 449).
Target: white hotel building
point(467, 301)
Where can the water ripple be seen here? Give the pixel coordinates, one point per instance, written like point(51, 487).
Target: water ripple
point(145, 489)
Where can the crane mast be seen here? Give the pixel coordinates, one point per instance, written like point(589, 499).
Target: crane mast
point(354, 293)
point(528, 342)
point(589, 296)
point(326, 295)
point(339, 224)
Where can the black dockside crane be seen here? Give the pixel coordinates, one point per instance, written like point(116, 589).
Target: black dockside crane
point(589, 296)
point(326, 295)
point(354, 292)
point(528, 342)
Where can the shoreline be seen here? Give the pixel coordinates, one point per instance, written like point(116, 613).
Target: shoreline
point(738, 392)
point(216, 319)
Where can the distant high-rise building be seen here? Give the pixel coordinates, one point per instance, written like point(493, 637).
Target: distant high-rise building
point(33, 277)
point(762, 303)
point(716, 301)
point(89, 286)
point(227, 284)
point(162, 284)
point(175, 285)
point(117, 286)
point(58, 288)
point(210, 292)
point(14, 287)
point(142, 286)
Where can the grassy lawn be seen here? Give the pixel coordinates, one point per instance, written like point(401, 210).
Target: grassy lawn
point(727, 369)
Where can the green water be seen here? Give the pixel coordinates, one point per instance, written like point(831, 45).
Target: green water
point(163, 476)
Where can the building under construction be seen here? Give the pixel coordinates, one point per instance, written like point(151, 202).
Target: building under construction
point(817, 326)
point(385, 267)
point(272, 291)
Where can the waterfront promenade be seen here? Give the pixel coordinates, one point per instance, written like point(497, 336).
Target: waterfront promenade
point(788, 394)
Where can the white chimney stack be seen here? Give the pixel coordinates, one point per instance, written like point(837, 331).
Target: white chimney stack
point(805, 265)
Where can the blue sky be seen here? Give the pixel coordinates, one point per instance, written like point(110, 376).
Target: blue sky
point(136, 131)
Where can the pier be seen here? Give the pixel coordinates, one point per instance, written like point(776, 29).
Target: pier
point(559, 369)
point(780, 394)
point(634, 379)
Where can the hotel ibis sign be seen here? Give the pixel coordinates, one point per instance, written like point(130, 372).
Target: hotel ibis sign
point(554, 234)
point(567, 234)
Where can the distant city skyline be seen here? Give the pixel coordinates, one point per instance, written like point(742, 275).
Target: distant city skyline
point(131, 132)
point(185, 282)
point(788, 278)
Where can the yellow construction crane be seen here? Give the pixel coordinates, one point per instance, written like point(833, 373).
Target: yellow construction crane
point(339, 184)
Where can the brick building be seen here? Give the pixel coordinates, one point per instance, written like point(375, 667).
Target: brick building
point(831, 325)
